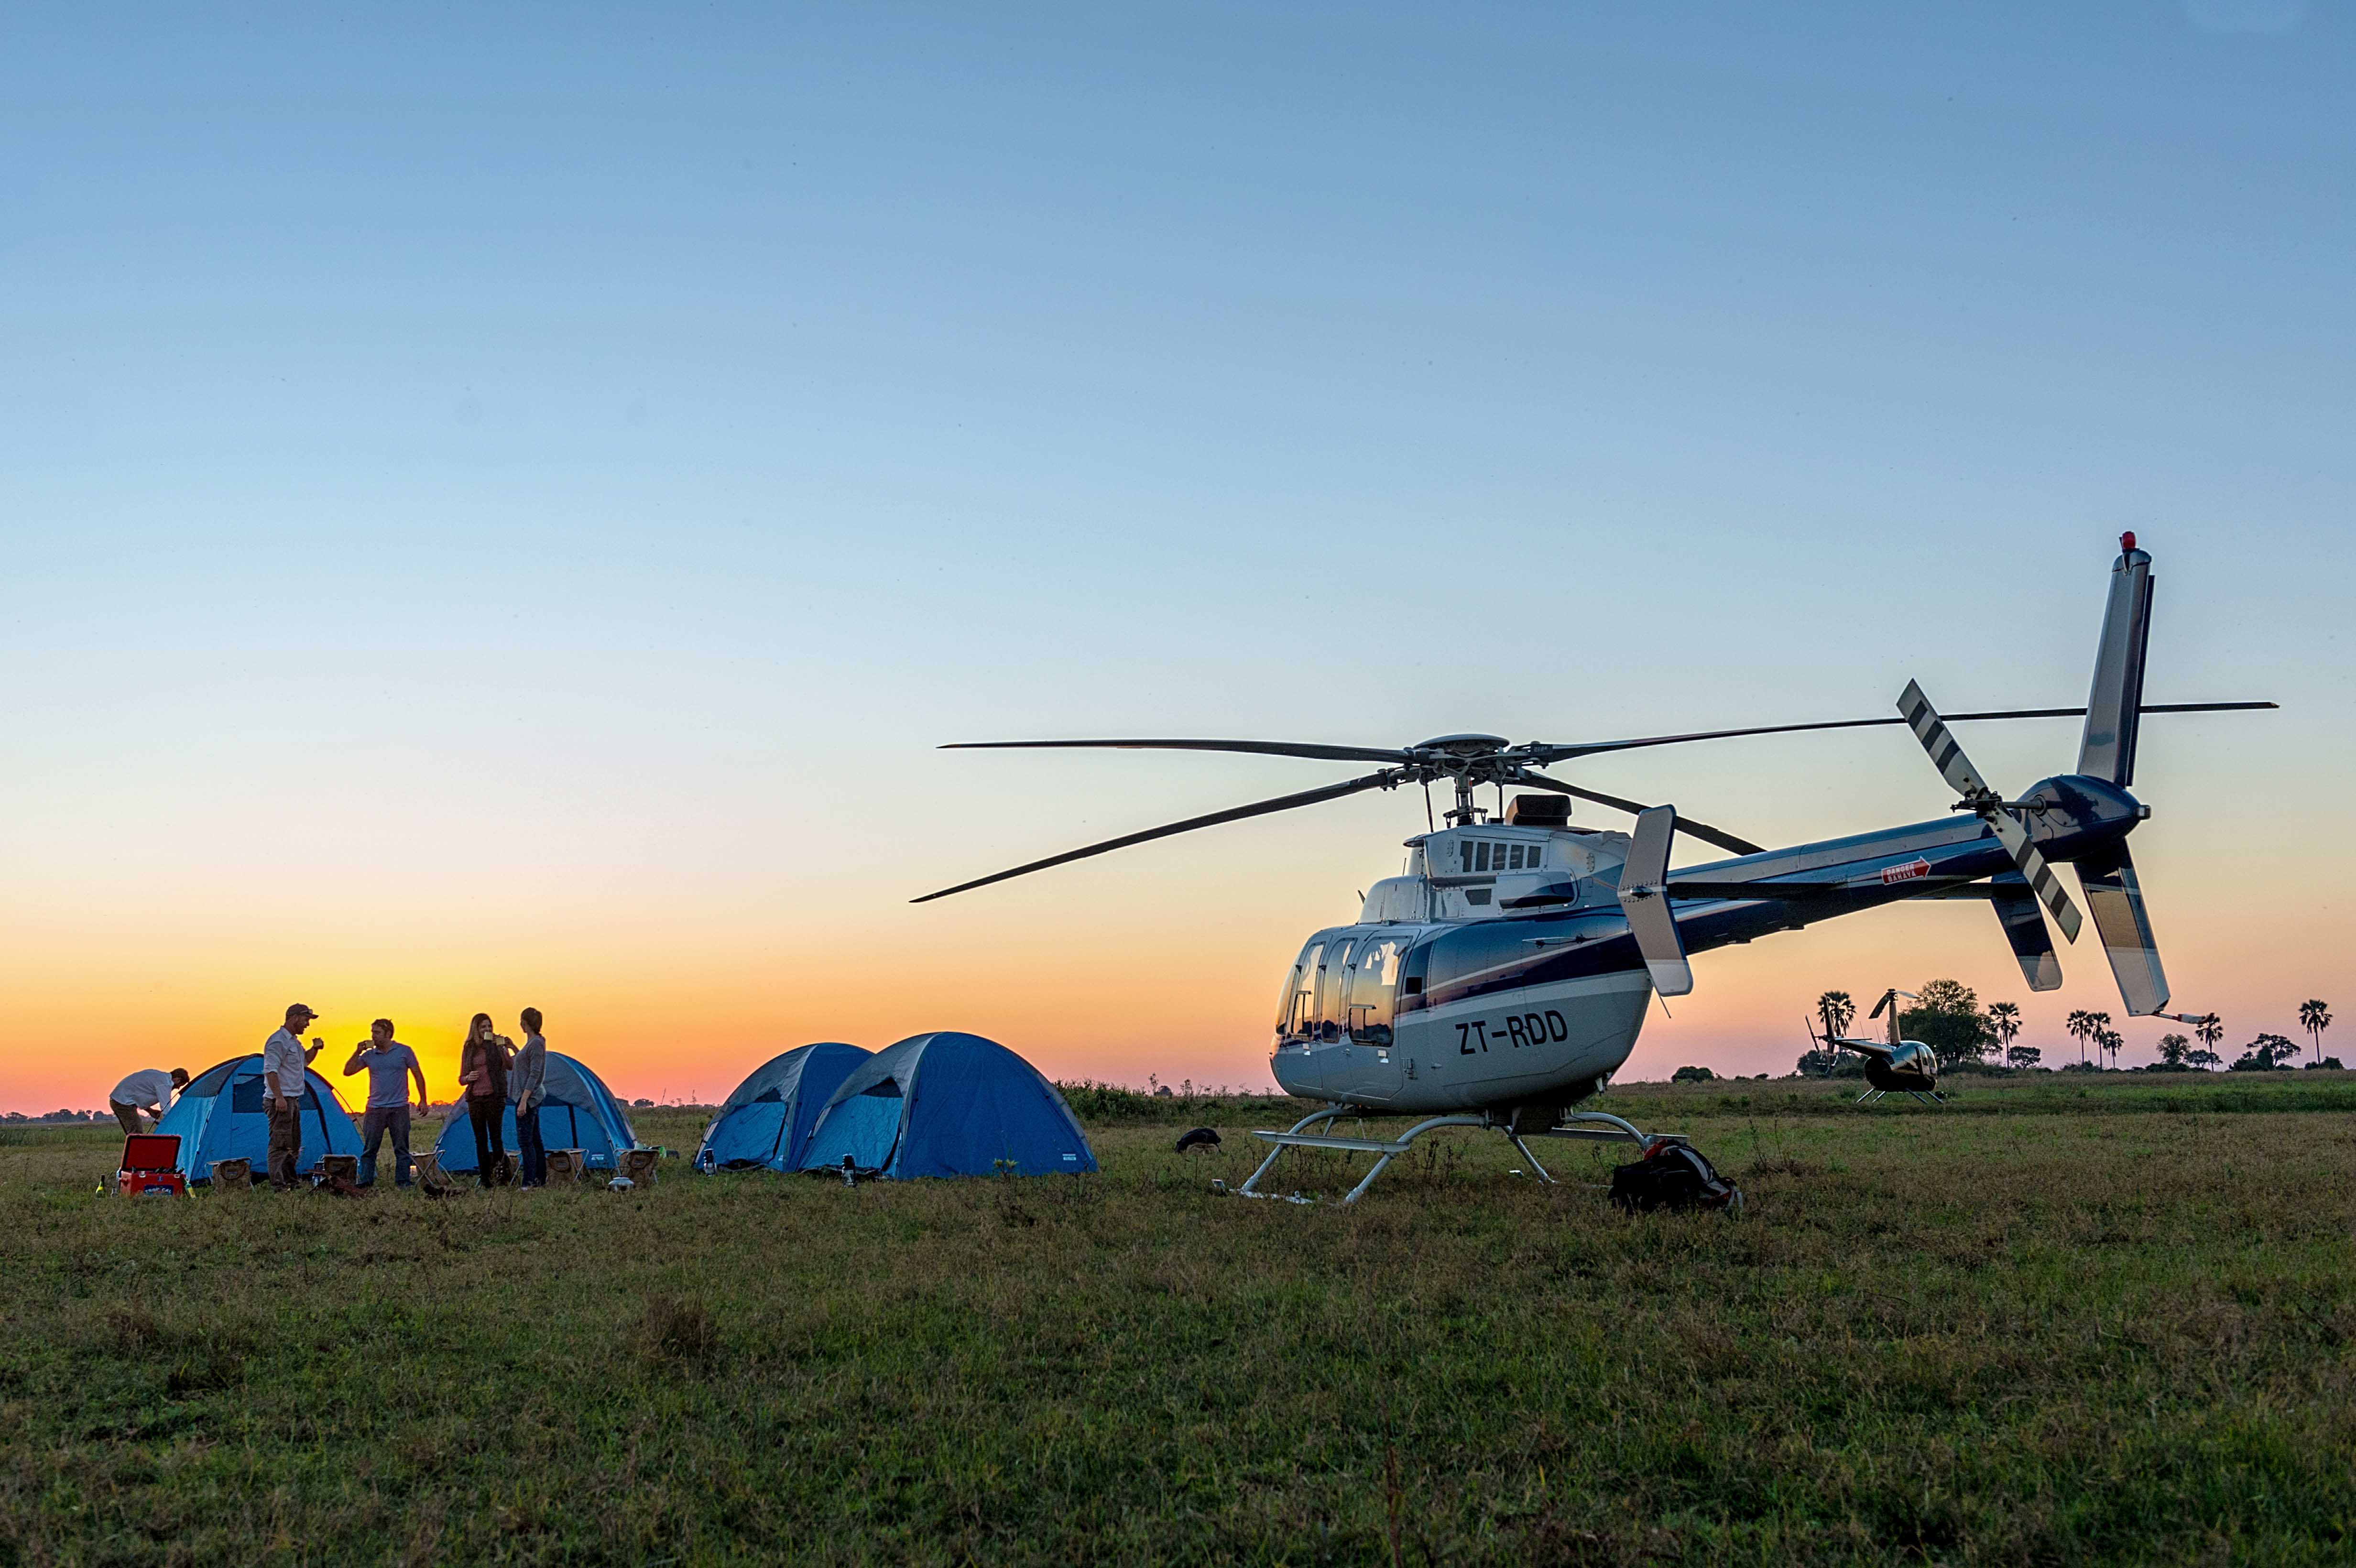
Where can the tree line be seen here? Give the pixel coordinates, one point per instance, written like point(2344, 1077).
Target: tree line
point(1948, 1018)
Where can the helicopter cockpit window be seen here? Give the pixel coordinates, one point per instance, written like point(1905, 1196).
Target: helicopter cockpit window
point(1333, 988)
point(1372, 977)
point(1298, 1016)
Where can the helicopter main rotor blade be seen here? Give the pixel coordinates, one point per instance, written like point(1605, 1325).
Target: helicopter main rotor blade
point(1542, 753)
point(1387, 779)
point(1310, 749)
point(1685, 825)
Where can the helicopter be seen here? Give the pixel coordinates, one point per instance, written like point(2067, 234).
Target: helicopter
point(1503, 976)
point(1892, 1066)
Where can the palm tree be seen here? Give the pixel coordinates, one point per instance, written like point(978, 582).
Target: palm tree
point(2005, 1016)
point(2172, 1048)
point(2211, 1029)
point(2315, 1017)
point(1838, 1012)
point(2109, 1040)
point(2082, 1026)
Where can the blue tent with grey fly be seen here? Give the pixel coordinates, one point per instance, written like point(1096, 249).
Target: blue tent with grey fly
point(765, 1123)
point(579, 1112)
point(948, 1104)
point(220, 1116)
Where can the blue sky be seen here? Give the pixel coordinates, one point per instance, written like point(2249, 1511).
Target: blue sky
point(567, 465)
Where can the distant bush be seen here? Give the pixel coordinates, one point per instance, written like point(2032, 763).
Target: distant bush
point(1106, 1102)
point(1946, 1016)
point(2267, 1053)
point(1111, 1105)
point(1692, 1076)
point(2329, 1065)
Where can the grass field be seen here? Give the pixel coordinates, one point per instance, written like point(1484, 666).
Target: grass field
point(2068, 1319)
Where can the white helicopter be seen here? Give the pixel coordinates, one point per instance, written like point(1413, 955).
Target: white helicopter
point(1502, 978)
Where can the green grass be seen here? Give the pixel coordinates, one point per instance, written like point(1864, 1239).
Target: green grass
point(2043, 1326)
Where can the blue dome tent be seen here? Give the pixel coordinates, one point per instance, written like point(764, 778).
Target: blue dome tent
point(579, 1112)
point(948, 1104)
point(765, 1122)
point(220, 1116)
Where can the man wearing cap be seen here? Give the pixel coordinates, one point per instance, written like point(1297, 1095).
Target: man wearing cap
point(150, 1090)
point(285, 1063)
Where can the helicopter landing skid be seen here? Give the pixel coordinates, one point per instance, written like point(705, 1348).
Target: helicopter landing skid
point(1927, 1096)
point(1584, 1127)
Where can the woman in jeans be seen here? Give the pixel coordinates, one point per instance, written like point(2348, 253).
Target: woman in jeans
point(482, 1069)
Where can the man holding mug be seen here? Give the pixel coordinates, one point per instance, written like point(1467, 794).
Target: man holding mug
point(284, 1066)
point(390, 1066)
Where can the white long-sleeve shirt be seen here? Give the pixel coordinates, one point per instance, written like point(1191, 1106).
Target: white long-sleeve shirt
point(148, 1086)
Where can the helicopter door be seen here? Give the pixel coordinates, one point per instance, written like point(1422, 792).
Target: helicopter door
point(1327, 1045)
point(1333, 991)
point(1368, 1071)
point(1373, 977)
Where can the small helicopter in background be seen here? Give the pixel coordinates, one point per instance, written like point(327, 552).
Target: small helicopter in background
point(1892, 1066)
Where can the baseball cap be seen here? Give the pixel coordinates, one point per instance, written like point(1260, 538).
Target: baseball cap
point(299, 1007)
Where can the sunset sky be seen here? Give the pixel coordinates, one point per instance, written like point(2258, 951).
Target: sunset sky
point(501, 502)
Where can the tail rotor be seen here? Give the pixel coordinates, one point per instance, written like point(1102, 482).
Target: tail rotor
point(1947, 756)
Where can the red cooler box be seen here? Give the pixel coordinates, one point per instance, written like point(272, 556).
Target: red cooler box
point(147, 1168)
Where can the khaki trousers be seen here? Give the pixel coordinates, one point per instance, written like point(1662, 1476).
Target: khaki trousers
point(285, 1142)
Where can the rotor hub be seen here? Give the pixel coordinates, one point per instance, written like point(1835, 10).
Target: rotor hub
point(1463, 747)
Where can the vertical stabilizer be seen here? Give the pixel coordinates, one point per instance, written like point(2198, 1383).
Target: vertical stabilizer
point(2114, 706)
point(2116, 899)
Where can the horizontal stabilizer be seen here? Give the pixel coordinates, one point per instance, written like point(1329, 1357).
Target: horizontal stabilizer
point(1644, 897)
point(2024, 928)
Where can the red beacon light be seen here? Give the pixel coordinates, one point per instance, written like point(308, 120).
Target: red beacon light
point(2126, 541)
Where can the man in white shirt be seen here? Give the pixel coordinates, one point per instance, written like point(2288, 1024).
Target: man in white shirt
point(284, 1069)
point(150, 1090)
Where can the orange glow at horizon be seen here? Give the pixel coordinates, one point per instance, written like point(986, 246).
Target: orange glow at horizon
point(684, 1007)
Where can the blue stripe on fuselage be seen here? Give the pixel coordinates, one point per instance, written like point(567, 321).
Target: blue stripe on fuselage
point(1594, 941)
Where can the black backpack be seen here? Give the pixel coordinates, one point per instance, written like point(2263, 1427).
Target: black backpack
point(1674, 1177)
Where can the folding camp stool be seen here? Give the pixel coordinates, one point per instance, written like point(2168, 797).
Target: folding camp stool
point(565, 1164)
